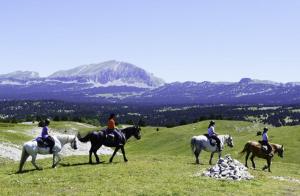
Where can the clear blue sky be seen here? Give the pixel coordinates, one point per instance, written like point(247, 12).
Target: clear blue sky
point(176, 40)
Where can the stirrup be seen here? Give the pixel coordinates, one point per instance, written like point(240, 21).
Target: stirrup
point(270, 154)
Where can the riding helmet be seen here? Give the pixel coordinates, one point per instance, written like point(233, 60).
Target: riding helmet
point(212, 122)
point(47, 121)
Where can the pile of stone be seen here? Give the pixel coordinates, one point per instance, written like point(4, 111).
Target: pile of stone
point(228, 169)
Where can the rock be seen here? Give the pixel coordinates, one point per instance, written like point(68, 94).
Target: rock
point(228, 169)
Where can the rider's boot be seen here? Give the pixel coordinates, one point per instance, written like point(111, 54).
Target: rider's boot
point(111, 137)
point(270, 154)
point(219, 148)
point(51, 150)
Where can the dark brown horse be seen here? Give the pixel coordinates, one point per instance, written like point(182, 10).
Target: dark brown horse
point(98, 139)
point(255, 148)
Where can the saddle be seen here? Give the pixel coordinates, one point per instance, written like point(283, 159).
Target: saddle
point(211, 140)
point(43, 143)
point(264, 148)
point(114, 136)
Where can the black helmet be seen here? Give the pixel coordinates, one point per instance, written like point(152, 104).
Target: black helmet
point(47, 121)
point(112, 115)
point(266, 129)
point(211, 123)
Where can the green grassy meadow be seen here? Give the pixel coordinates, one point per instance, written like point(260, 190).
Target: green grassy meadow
point(161, 163)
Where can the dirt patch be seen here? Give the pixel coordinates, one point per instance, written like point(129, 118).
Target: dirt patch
point(10, 151)
point(85, 125)
point(285, 178)
point(13, 152)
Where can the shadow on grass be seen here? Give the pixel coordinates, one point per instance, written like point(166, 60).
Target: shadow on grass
point(23, 172)
point(193, 163)
point(87, 163)
point(76, 164)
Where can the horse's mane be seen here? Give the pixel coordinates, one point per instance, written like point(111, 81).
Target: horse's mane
point(127, 128)
point(64, 136)
point(276, 146)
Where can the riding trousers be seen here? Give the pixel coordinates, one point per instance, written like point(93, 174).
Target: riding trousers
point(217, 140)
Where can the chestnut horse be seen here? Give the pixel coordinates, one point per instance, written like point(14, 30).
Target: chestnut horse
point(255, 148)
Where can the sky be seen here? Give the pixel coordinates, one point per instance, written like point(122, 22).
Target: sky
point(177, 40)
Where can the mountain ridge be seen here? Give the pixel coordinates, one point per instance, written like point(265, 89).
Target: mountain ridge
point(117, 81)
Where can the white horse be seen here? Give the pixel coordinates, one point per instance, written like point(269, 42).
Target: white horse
point(31, 148)
point(201, 142)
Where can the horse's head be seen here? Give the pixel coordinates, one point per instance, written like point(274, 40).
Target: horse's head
point(280, 151)
point(74, 143)
point(229, 141)
point(137, 132)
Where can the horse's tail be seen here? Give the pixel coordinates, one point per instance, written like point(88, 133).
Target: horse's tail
point(193, 144)
point(85, 138)
point(246, 147)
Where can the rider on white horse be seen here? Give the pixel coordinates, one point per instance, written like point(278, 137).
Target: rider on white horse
point(45, 137)
point(214, 135)
point(31, 148)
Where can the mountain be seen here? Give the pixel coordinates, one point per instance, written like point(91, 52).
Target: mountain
point(20, 75)
point(110, 73)
point(110, 81)
point(246, 91)
point(115, 81)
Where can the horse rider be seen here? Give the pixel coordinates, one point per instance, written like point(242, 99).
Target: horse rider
point(265, 141)
point(112, 130)
point(45, 137)
point(214, 135)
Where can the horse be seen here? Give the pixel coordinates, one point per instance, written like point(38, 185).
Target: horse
point(201, 142)
point(98, 139)
point(31, 148)
point(255, 148)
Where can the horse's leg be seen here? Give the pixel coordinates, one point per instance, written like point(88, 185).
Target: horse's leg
point(53, 161)
point(197, 153)
point(220, 154)
point(90, 155)
point(211, 157)
point(123, 152)
point(269, 164)
point(252, 160)
point(96, 156)
point(55, 155)
point(112, 157)
point(33, 162)
point(94, 151)
point(24, 157)
point(246, 158)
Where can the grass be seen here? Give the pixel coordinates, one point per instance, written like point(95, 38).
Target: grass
point(161, 163)
point(14, 133)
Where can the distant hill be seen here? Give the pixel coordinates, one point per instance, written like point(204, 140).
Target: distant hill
point(246, 91)
point(116, 81)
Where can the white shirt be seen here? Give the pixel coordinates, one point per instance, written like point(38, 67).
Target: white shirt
point(265, 137)
point(211, 131)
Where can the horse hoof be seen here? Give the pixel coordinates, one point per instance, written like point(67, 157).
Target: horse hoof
point(126, 160)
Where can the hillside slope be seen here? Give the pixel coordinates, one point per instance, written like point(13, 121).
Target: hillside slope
point(161, 163)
